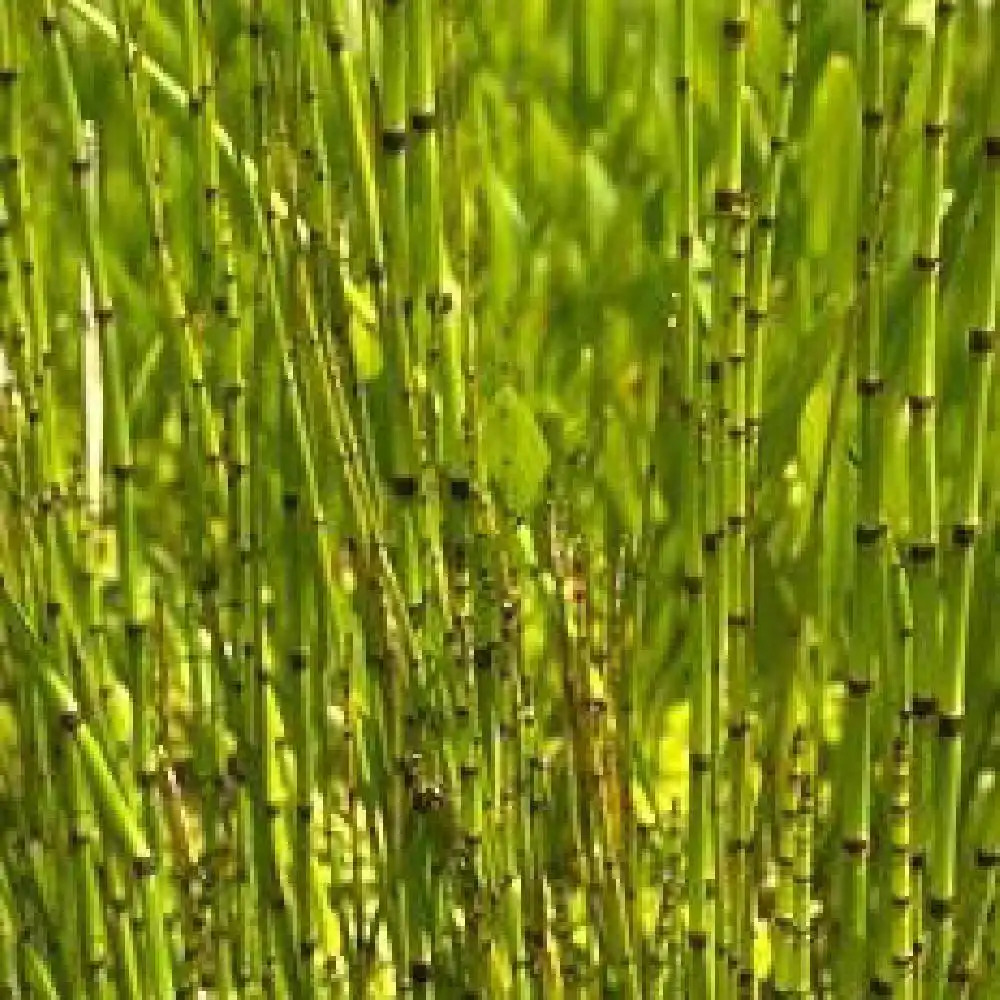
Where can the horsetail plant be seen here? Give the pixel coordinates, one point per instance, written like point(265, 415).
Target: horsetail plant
point(352, 642)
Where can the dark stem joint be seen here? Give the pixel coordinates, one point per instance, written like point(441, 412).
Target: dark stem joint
point(729, 202)
point(873, 119)
point(859, 687)
point(423, 121)
point(950, 726)
point(920, 403)
point(734, 30)
point(869, 534)
point(404, 487)
point(963, 536)
point(698, 940)
point(934, 131)
point(856, 847)
point(981, 340)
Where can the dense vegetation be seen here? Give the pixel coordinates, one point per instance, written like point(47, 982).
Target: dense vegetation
point(499, 498)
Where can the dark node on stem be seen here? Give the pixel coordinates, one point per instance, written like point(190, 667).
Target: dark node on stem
point(941, 907)
point(421, 971)
point(926, 264)
point(730, 202)
point(404, 487)
point(734, 30)
point(682, 84)
point(738, 730)
point(924, 706)
point(945, 8)
point(855, 847)
point(869, 534)
point(900, 902)
point(873, 119)
point(714, 371)
point(935, 131)
point(738, 845)
point(859, 687)
point(992, 148)
point(375, 271)
point(737, 619)
point(439, 303)
point(423, 121)
point(880, 988)
point(870, 385)
point(960, 974)
point(393, 140)
point(981, 340)
point(963, 536)
point(142, 868)
point(756, 315)
point(736, 522)
point(701, 763)
point(693, 584)
point(922, 552)
point(698, 940)
point(873, 6)
point(297, 659)
point(336, 41)
point(950, 726)
point(919, 403)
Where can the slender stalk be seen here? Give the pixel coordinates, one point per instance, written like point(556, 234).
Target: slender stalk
point(959, 556)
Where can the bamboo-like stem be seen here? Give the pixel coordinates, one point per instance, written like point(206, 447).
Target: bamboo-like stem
point(867, 661)
point(959, 554)
point(700, 838)
point(732, 236)
point(923, 484)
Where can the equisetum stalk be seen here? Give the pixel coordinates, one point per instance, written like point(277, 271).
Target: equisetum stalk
point(732, 236)
point(923, 489)
point(868, 660)
point(960, 551)
point(700, 837)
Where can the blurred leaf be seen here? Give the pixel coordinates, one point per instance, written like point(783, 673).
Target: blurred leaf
point(517, 455)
